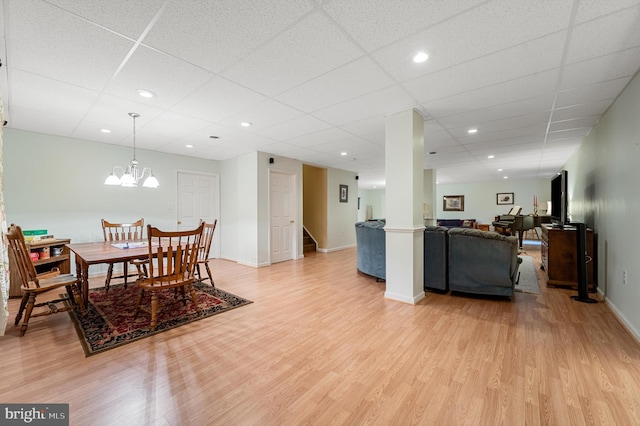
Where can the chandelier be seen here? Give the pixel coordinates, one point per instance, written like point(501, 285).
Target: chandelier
point(132, 174)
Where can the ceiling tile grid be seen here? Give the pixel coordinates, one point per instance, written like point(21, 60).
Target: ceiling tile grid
point(318, 78)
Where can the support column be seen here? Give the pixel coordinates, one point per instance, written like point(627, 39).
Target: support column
point(404, 231)
point(429, 207)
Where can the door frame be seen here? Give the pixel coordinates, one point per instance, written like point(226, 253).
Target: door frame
point(294, 208)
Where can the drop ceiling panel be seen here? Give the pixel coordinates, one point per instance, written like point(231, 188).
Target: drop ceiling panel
point(603, 68)
point(365, 126)
point(217, 34)
point(566, 131)
point(584, 124)
point(337, 86)
point(499, 112)
point(262, 116)
point(169, 78)
point(316, 138)
point(377, 30)
point(352, 146)
point(595, 38)
point(43, 94)
point(377, 104)
point(123, 16)
point(490, 128)
point(535, 56)
point(41, 122)
point(496, 94)
point(447, 50)
point(309, 49)
point(595, 108)
point(218, 99)
point(113, 112)
point(295, 128)
point(590, 9)
point(61, 46)
point(531, 131)
point(175, 125)
point(591, 93)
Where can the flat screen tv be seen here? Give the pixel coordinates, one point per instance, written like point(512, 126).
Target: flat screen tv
point(559, 199)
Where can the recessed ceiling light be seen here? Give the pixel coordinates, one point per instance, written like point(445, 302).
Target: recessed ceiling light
point(145, 93)
point(246, 124)
point(506, 177)
point(189, 145)
point(343, 153)
point(105, 130)
point(472, 131)
point(500, 170)
point(491, 156)
point(420, 57)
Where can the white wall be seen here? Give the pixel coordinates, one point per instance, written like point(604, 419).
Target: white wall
point(480, 198)
point(603, 191)
point(229, 195)
point(57, 183)
point(284, 165)
point(246, 209)
point(341, 217)
point(374, 198)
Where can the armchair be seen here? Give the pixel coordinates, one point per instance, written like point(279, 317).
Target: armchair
point(482, 262)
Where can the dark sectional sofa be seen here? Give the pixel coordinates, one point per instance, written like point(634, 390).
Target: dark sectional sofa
point(457, 223)
point(456, 259)
point(371, 248)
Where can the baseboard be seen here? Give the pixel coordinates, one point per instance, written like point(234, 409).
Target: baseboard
point(404, 299)
point(623, 320)
point(254, 265)
point(321, 250)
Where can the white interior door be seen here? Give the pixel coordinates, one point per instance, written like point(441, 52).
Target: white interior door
point(282, 216)
point(199, 198)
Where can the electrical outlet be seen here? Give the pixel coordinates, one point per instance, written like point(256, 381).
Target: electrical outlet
point(624, 276)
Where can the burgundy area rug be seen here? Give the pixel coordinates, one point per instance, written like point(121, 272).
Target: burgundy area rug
point(109, 320)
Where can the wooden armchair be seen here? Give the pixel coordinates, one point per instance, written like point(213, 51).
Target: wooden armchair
point(176, 255)
point(33, 284)
point(122, 232)
point(205, 247)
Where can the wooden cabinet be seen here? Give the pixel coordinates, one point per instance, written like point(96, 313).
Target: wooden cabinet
point(560, 259)
point(48, 261)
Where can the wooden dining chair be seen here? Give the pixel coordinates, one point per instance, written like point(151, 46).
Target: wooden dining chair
point(119, 233)
point(176, 254)
point(205, 247)
point(34, 285)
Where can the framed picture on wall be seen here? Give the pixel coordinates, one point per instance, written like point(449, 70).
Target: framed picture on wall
point(504, 198)
point(344, 193)
point(453, 203)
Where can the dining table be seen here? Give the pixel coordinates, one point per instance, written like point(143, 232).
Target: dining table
point(87, 254)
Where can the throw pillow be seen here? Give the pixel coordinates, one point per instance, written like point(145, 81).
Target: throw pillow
point(467, 223)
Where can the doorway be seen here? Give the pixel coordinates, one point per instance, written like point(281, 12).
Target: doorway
point(199, 198)
point(282, 214)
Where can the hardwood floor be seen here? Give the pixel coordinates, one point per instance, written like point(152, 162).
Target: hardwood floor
point(321, 345)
